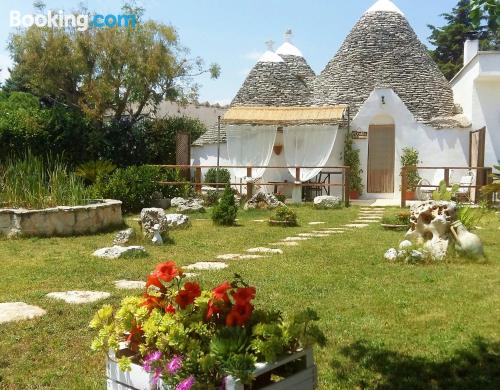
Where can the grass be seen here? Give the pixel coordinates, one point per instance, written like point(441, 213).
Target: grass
point(389, 326)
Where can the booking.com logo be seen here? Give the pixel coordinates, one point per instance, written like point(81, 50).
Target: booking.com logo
point(80, 22)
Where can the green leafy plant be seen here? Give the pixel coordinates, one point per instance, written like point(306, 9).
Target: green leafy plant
point(284, 214)
point(214, 175)
point(401, 218)
point(280, 196)
point(211, 197)
point(224, 213)
point(91, 170)
point(443, 193)
point(409, 158)
point(183, 334)
point(470, 216)
point(351, 159)
point(32, 182)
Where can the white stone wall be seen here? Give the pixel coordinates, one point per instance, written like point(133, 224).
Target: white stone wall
point(62, 220)
point(444, 147)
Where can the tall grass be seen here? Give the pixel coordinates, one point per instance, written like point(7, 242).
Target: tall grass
point(33, 182)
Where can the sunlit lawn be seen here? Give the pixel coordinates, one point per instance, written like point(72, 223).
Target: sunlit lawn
point(389, 325)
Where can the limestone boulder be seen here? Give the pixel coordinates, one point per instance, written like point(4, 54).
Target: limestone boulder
point(117, 251)
point(263, 200)
point(327, 202)
point(150, 217)
point(188, 205)
point(124, 236)
point(177, 221)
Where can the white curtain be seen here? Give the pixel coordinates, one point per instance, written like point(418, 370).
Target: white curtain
point(250, 146)
point(309, 146)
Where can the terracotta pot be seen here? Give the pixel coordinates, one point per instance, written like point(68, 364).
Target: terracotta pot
point(353, 194)
point(410, 195)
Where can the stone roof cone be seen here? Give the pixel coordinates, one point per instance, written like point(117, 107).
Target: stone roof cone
point(295, 60)
point(383, 51)
point(271, 82)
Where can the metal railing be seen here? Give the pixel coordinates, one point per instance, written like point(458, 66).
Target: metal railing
point(196, 179)
point(482, 178)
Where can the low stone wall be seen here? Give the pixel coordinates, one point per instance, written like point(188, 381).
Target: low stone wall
point(62, 220)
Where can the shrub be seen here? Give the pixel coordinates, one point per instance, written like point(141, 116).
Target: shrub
point(443, 193)
point(224, 176)
point(280, 196)
point(286, 215)
point(91, 170)
point(470, 216)
point(409, 158)
point(225, 212)
point(31, 182)
point(136, 186)
point(351, 159)
point(401, 218)
point(211, 197)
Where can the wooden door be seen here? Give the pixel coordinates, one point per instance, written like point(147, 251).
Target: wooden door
point(476, 158)
point(381, 143)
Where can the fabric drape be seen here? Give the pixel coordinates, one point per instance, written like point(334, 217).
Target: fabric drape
point(250, 146)
point(308, 146)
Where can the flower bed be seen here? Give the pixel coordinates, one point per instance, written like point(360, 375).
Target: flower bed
point(182, 337)
point(62, 220)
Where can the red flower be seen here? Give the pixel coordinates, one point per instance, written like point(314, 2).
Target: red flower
point(170, 309)
point(220, 292)
point(153, 280)
point(187, 296)
point(213, 307)
point(239, 315)
point(151, 302)
point(167, 271)
point(134, 337)
point(244, 295)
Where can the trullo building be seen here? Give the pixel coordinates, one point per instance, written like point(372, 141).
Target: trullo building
point(383, 79)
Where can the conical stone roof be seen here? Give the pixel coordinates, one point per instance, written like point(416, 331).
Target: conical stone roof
point(295, 60)
point(383, 51)
point(272, 82)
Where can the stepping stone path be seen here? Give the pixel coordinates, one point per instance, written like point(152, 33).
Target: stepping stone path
point(206, 265)
point(259, 220)
point(288, 239)
point(190, 274)
point(357, 225)
point(250, 257)
point(229, 256)
point(130, 284)
point(316, 223)
point(117, 251)
point(78, 297)
point(313, 234)
point(18, 311)
point(265, 250)
point(365, 221)
point(327, 232)
point(285, 243)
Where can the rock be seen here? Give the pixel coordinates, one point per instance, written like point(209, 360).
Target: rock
point(431, 220)
point(229, 256)
point(327, 202)
point(117, 251)
point(188, 205)
point(206, 265)
point(265, 250)
point(17, 311)
point(405, 244)
point(289, 239)
point(177, 221)
point(130, 284)
point(78, 297)
point(149, 218)
point(437, 248)
point(391, 254)
point(356, 225)
point(124, 236)
point(416, 255)
point(251, 257)
point(285, 243)
point(262, 200)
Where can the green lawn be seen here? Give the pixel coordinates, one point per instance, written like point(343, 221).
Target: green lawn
point(389, 325)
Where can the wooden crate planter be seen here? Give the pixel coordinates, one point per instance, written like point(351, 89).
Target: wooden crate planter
point(303, 378)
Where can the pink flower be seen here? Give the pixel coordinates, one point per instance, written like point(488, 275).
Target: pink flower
point(186, 384)
point(174, 365)
point(156, 377)
point(151, 358)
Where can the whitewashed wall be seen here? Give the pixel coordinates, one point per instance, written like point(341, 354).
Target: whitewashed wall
point(446, 147)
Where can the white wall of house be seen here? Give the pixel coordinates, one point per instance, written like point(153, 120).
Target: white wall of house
point(477, 89)
point(445, 147)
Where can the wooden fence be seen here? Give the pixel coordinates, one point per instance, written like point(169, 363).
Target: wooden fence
point(482, 178)
point(196, 178)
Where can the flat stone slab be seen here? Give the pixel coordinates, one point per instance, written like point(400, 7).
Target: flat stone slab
point(311, 235)
point(130, 284)
point(117, 251)
point(316, 223)
point(229, 256)
point(357, 225)
point(259, 220)
point(365, 221)
point(288, 239)
point(285, 243)
point(336, 228)
point(206, 265)
point(190, 274)
point(251, 257)
point(18, 311)
point(265, 250)
point(78, 297)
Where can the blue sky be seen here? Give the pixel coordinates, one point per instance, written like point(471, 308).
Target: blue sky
point(232, 32)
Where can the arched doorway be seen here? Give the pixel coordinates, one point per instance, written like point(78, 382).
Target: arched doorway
point(381, 151)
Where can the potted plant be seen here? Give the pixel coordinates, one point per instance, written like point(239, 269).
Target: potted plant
point(409, 158)
point(283, 216)
point(178, 336)
point(351, 159)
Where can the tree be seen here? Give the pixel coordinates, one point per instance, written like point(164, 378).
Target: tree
point(449, 39)
point(485, 15)
point(115, 72)
point(225, 212)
